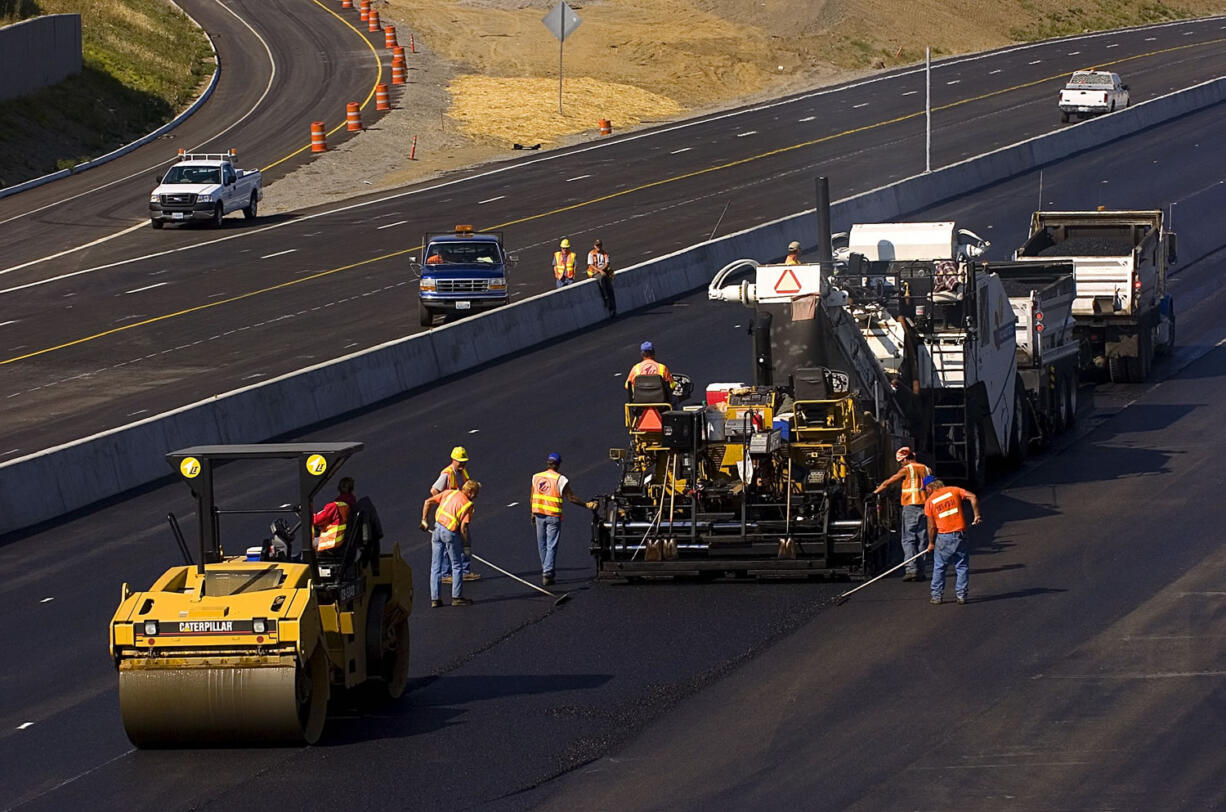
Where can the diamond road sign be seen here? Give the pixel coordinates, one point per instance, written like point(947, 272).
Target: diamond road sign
point(561, 21)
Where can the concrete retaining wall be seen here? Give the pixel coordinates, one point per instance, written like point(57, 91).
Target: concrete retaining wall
point(38, 52)
point(80, 473)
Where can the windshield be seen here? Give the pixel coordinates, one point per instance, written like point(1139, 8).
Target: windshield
point(463, 253)
point(192, 174)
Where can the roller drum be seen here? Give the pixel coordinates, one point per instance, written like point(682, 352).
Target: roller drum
point(263, 704)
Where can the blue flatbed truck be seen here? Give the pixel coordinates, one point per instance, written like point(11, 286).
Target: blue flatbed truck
point(461, 272)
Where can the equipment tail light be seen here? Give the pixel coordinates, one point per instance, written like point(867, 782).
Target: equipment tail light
point(1104, 98)
point(1136, 283)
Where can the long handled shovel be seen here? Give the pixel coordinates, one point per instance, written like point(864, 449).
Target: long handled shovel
point(557, 598)
point(841, 599)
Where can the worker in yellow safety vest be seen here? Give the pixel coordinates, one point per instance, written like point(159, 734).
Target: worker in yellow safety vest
point(910, 476)
point(599, 266)
point(330, 522)
point(549, 488)
point(453, 478)
point(793, 257)
point(451, 521)
point(563, 264)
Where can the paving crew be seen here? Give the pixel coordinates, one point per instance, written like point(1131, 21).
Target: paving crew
point(793, 257)
point(910, 476)
point(648, 366)
point(453, 478)
point(563, 264)
point(598, 265)
point(451, 522)
point(331, 520)
point(549, 488)
point(947, 535)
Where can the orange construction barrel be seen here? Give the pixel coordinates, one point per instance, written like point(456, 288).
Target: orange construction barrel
point(606, 128)
point(364, 10)
point(319, 141)
point(374, 21)
point(398, 70)
point(382, 102)
point(389, 36)
point(353, 117)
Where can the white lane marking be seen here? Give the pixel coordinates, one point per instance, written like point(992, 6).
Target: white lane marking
point(861, 104)
point(1151, 39)
point(1113, 45)
point(1188, 33)
point(679, 151)
point(147, 287)
point(138, 411)
point(279, 253)
point(391, 225)
point(7, 323)
point(272, 75)
point(10, 451)
point(1137, 675)
point(910, 93)
point(1073, 53)
point(810, 118)
point(513, 504)
point(750, 132)
point(491, 200)
point(577, 177)
point(253, 377)
point(47, 600)
point(1037, 61)
point(994, 71)
point(473, 431)
point(953, 81)
point(68, 251)
point(24, 725)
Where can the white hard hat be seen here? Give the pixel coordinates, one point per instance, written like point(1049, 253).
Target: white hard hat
point(793, 246)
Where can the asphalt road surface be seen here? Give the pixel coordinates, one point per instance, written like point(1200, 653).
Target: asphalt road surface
point(155, 320)
point(1084, 673)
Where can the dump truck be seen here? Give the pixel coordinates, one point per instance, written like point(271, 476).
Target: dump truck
point(1123, 310)
point(232, 649)
point(205, 187)
point(462, 272)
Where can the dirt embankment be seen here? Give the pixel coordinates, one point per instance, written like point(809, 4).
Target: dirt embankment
point(485, 75)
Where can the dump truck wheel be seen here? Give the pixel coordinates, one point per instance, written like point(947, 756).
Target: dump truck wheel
point(976, 457)
point(1070, 400)
point(1019, 433)
point(387, 647)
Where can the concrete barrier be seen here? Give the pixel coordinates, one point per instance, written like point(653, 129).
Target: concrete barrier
point(77, 474)
point(38, 52)
point(140, 142)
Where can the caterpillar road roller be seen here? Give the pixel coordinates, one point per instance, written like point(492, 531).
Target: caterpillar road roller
point(248, 648)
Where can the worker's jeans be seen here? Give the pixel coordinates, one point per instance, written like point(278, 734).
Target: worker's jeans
point(951, 549)
point(914, 536)
point(563, 282)
point(605, 283)
point(445, 541)
point(548, 529)
point(465, 562)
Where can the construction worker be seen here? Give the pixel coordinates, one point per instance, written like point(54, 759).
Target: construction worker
point(793, 257)
point(453, 478)
point(598, 265)
point(451, 521)
point(563, 264)
point(648, 366)
point(947, 535)
point(549, 488)
point(329, 523)
point(910, 476)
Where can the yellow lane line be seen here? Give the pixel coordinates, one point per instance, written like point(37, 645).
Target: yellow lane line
point(696, 173)
point(365, 102)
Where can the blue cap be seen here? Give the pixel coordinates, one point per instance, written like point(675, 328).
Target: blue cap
point(647, 346)
point(928, 480)
point(555, 457)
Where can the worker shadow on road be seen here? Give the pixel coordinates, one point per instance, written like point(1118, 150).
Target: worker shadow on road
point(1101, 462)
point(1001, 568)
point(1020, 593)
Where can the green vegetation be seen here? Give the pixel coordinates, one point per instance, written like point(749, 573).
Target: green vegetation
point(144, 61)
point(1098, 16)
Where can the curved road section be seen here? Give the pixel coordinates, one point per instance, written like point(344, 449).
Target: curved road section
point(138, 326)
point(283, 64)
point(1084, 674)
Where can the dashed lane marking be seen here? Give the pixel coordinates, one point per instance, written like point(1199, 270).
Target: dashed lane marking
point(147, 287)
point(577, 177)
point(47, 600)
point(391, 225)
point(490, 200)
point(810, 118)
point(24, 725)
point(679, 151)
point(749, 132)
point(910, 93)
point(279, 253)
point(953, 81)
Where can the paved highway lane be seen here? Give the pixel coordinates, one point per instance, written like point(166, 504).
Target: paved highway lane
point(516, 692)
point(120, 340)
point(284, 64)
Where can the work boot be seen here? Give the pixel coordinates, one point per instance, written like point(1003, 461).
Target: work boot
point(461, 602)
point(935, 601)
point(435, 604)
point(547, 579)
point(472, 576)
point(961, 600)
point(446, 579)
point(909, 576)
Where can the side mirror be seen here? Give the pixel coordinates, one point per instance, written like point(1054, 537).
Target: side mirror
point(1123, 87)
point(512, 259)
point(157, 179)
point(1171, 248)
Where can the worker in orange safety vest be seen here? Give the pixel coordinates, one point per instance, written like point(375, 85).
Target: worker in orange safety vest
point(453, 478)
point(549, 488)
point(563, 264)
point(329, 523)
point(947, 535)
point(648, 366)
point(599, 266)
point(451, 522)
point(793, 257)
point(910, 476)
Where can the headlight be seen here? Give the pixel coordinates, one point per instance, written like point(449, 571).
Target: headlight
point(427, 284)
point(204, 198)
point(498, 284)
point(153, 198)
point(259, 625)
point(151, 628)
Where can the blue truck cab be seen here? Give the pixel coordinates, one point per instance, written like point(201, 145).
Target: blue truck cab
point(462, 271)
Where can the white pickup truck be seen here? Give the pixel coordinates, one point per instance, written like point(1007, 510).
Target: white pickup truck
point(1090, 92)
point(204, 186)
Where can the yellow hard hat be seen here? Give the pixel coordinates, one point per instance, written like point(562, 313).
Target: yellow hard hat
point(565, 243)
point(459, 454)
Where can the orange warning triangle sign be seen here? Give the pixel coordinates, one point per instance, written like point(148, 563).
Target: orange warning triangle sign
point(788, 283)
point(650, 421)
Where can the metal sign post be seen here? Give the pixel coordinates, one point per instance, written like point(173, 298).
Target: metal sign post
point(928, 109)
point(561, 22)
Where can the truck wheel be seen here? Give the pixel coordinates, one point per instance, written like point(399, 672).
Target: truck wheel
point(156, 223)
point(1112, 107)
point(1063, 118)
point(252, 208)
point(218, 213)
point(1137, 366)
point(1070, 399)
point(425, 316)
point(1169, 347)
point(1019, 431)
point(976, 457)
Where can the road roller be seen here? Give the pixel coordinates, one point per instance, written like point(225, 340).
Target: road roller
point(248, 647)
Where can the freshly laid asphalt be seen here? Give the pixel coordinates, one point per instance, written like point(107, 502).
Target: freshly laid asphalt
point(1085, 672)
point(188, 313)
